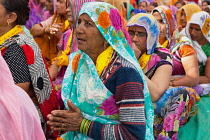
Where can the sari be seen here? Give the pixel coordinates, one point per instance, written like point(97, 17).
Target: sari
point(37, 70)
point(17, 110)
point(174, 107)
point(91, 95)
point(48, 42)
point(202, 19)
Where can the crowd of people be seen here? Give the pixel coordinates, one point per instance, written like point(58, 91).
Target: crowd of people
point(104, 69)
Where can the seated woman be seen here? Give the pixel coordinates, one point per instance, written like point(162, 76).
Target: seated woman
point(185, 71)
point(24, 59)
point(109, 96)
point(173, 105)
point(197, 29)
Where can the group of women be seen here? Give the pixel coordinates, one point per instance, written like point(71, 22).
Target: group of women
point(93, 75)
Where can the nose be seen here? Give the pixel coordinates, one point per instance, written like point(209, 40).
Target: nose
point(135, 39)
point(79, 29)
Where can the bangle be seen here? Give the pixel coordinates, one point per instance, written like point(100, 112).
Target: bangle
point(85, 125)
point(45, 30)
point(172, 83)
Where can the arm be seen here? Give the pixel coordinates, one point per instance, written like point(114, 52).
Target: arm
point(190, 64)
point(159, 82)
point(206, 78)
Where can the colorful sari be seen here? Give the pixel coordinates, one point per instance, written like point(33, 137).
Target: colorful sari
point(174, 107)
point(202, 19)
point(91, 95)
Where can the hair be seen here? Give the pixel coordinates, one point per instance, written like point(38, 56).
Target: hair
point(208, 2)
point(20, 7)
point(154, 4)
point(179, 2)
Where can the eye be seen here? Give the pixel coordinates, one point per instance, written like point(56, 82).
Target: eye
point(89, 23)
point(79, 21)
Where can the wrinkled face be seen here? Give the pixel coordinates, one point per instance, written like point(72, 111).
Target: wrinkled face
point(143, 6)
point(61, 7)
point(89, 38)
point(150, 8)
point(161, 24)
point(204, 5)
point(195, 32)
point(69, 14)
point(49, 5)
point(138, 36)
point(183, 19)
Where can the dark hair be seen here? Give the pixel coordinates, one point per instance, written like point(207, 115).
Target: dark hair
point(208, 2)
point(179, 2)
point(20, 7)
point(154, 4)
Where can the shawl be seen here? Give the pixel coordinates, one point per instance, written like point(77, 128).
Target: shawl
point(202, 19)
point(90, 94)
point(39, 75)
point(168, 19)
point(189, 10)
point(17, 109)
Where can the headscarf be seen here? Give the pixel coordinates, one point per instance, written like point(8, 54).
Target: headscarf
point(18, 115)
point(136, 11)
point(150, 24)
point(109, 22)
point(189, 10)
point(202, 19)
point(168, 19)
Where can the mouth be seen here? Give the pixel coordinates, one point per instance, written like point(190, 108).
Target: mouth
point(81, 40)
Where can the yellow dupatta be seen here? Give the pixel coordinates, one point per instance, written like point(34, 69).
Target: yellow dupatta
point(104, 59)
point(14, 31)
point(143, 60)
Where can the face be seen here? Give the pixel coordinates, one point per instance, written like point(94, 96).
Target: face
point(150, 8)
point(183, 19)
point(49, 5)
point(139, 37)
point(195, 32)
point(179, 5)
point(89, 38)
point(204, 5)
point(207, 10)
point(143, 6)
point(61, 7)
point(69, 14)
point(161, 25)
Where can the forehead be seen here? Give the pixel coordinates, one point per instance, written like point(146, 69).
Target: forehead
point(143, 3)
point(192, 25)
point(157, 15)
point(137, 28)
point(85, 16)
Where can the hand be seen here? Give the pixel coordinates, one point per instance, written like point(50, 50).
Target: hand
point(136, 51)
point(66, 120)
point(56, 29)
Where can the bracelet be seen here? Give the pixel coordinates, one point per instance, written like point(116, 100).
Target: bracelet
point(172, 83)
point(85, 125)
point(45, 30)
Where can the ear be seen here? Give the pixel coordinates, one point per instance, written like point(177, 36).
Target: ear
point(11, 18)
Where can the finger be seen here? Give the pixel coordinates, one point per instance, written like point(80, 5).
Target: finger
point(72, 106)
point(60, 113)
point(58, 119)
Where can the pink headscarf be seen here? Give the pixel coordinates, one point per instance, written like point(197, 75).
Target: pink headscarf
point(18, 115)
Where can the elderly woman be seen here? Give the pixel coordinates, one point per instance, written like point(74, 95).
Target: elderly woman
point(109, 96)
point(156, 63)
point(24, 58)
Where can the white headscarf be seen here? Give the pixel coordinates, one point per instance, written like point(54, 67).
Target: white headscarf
point(202, 19)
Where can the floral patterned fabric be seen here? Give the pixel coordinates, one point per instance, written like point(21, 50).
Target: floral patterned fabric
point(90, 95)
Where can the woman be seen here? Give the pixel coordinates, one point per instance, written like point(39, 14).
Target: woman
point(48, 33)
point(24, 58)
point(173, 105)
point(66, 45)
point(184, 14)
point(136, 11)
point(197, 29)
point(17, 110)
point(185, 71)
point(104, 81)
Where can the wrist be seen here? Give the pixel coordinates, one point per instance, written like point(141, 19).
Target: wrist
point(46, 30)
point(84, 126)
